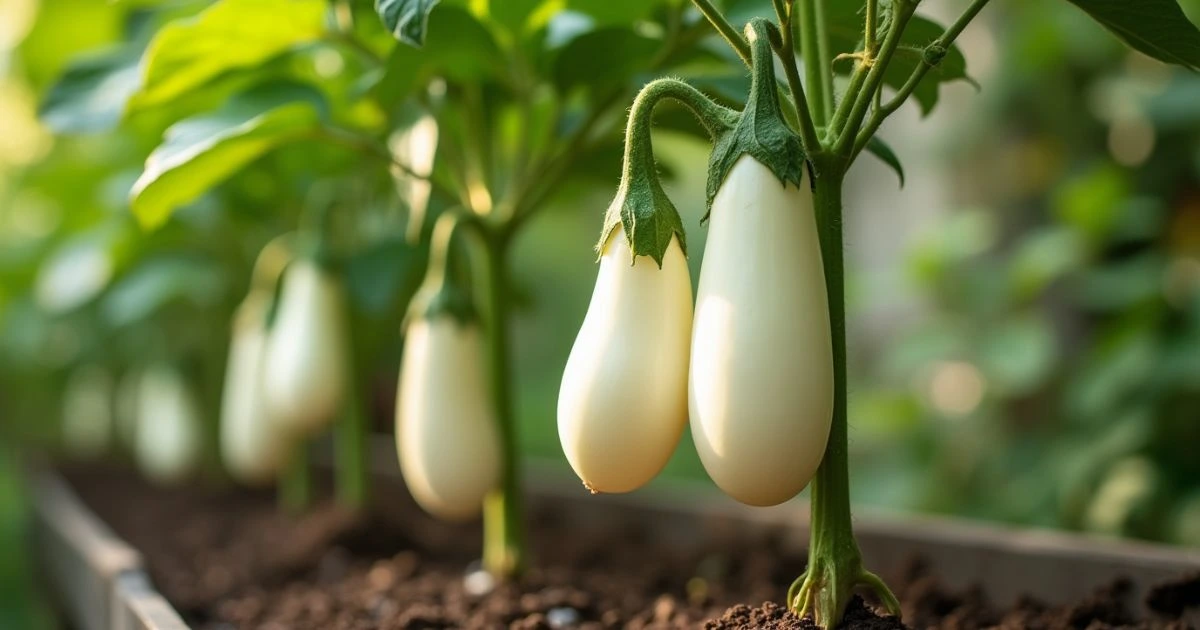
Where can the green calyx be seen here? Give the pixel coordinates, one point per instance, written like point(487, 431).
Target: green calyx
point(641, 206)
point(761, 131)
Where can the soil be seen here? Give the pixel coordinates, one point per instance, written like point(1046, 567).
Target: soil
point(230, 560)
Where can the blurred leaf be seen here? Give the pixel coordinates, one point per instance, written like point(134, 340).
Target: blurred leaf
point(460, 48)
point(881, 150)
point(76, 272)
point(1042, 257)
point(514, 15)
point(1175, 107)
point(1157, 28)
point(385, 275)
point(603, 58)
point(846, 33)
point(200, 152)
point(1124, 284)
point(614, 11)
point(91, 95)
point(1018, 355)
point(158, 282)
point(229, 35)
point(1091, 202)
point(407, 20)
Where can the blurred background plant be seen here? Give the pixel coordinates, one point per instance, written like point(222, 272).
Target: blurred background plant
point(1026, 313)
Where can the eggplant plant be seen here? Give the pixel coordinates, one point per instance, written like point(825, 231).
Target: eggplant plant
point(766, 368)
point(473, 116)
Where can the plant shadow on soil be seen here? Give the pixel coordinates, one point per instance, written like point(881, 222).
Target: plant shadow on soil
point(230, 560)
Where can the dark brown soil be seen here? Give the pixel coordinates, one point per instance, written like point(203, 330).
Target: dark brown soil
point(231, 561)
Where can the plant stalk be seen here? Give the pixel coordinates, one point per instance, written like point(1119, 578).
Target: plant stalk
point(786, 50)
point(353, 472)
point(818, 67)
point(834, 561)
point(727, 30)
point(928, 61)
point(503, 511)
point(295, 485)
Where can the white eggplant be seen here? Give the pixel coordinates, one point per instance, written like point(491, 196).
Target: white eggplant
point(760, 394)
point(622, 406)
point(446, 432)
point(305, 367)
point(252, 445)
point(168, 427)
point(87, 422)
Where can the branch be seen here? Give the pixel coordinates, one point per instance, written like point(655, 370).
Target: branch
point(933, 55)
point(731, 34)
point(814, 49)
point(786, 50)
point(847, 127)
point(369, 147)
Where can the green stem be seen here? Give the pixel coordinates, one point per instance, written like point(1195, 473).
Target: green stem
point(353, 471)
point(834, 561)
point(874, 67)
point(786, 49)
point(870, 24)
point(818, 67)
point(503, 513)
point(932, 56)
point(295, 485)
point(727, 30)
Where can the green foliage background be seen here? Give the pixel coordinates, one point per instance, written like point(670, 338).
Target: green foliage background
point(1041, 358)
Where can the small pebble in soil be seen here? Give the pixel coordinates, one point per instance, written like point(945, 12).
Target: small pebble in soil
point(562, 617)
point(477, 582)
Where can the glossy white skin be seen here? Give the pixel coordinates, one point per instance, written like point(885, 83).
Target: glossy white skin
point(87, 422)
point(304, 371)
point(446, 433)
point(253, 447)
point(760, 394)
point(168, 427)
point(622, 405)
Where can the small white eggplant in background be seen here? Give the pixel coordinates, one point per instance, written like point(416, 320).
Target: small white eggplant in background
point(446, 433)
point(622, 406)
point(305, 367)
point(252, 445)
point(168, 427)
point(87, 420)
point(761, 386)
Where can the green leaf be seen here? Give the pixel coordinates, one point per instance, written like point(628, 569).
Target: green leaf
point(845, 36)
point(881, 150)
point(229, 35)
point(610, 12)
point(515, 15)
point(408, 20)
point(161, 281)
point(385, 275)
point(92, 93)
point(1158, 28)
point(602, 58)
point(461, 48)
point(198, 153)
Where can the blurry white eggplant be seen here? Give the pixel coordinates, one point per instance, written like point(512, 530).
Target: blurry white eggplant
point(168, 427)
point(253, 447)
point(305, 366)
